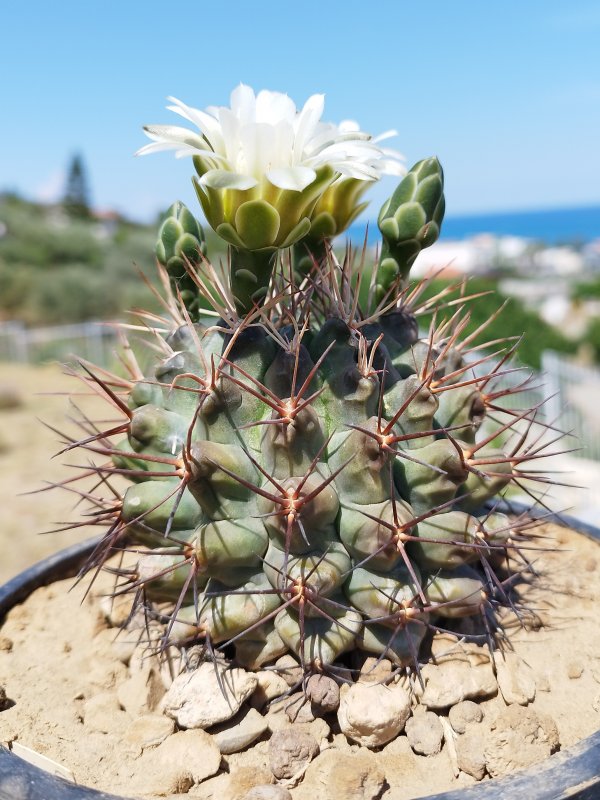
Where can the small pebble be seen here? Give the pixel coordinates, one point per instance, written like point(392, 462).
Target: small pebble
point(516, 679)
point(463, 714)
point(542, 682)
point(323, 693)
point(4, 701)
point(102, 714)
point(340, 742)
point(342, 776)
point(215, 788)
point(517, 738)
point(425, 733)
point(290, 751)
point(268, 792)
point(183, 759)
point(192, 750)
point(298, 708)
point(242, 780)
point(141, 693)
point(116, 610)
point(574, 670)
point(208, 695)
point(240, 732)
point(276, 717)
point(373, 714)
point(11, 397)
point(289, 669)
point(317, 728)
point(6, 644)
point(449, 684)
point(470, 755)
point(270, 686)
point(375, 670)
point(148, 730)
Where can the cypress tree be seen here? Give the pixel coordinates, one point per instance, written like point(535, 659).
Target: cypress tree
point(76, 199)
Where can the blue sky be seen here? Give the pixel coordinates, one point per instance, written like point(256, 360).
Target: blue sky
point(507, 94)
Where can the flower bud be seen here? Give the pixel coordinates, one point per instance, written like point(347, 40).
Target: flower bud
point(180, 239)
point(180, 246)
point(410, 221)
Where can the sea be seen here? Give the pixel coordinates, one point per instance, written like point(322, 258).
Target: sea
point(574, 226)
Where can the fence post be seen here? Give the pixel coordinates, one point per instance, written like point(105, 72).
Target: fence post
point(554, 401)
point(95, 342)
point(22, 344)
point(92, 340)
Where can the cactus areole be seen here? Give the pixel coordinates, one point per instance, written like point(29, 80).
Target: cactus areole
point(307, 470)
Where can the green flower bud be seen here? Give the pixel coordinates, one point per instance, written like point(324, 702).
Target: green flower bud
point(180, 237)
point(410, 221)
point(180, 246)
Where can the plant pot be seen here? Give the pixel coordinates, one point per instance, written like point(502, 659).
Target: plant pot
point(571, 773)
point(20, 780)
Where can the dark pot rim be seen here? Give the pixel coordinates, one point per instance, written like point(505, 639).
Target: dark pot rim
point(573, 773)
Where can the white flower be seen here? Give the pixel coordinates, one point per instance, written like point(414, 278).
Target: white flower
point(264, 138)
point(263, 165)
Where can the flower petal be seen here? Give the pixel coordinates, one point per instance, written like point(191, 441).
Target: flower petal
point(230, 127)
point(349, 126)
point(257, 149)
point(356, 169)
point(294, 178)
point(243, 104)
point(305, 124)
point(208, 125)
point(155, 147)
point(283, 145)
point(387, 166)
point(182, 140)
point(174, 134)
point(331, 136)
point(385, 135)
point(223, 179)
point(274, 107)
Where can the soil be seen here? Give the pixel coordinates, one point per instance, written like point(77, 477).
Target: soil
point(37, 398)
point(75, 690)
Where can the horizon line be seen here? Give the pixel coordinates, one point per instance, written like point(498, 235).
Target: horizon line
point(507, 212)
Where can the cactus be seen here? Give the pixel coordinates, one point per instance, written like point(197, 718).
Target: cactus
point(309, 476)
point(181, 243)
point(410, 221)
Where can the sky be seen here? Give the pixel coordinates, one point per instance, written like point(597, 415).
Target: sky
point(506, 93)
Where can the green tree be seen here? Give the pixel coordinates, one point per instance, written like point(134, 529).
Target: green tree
point(516, 320)
point(592, 339)
point(76, 200)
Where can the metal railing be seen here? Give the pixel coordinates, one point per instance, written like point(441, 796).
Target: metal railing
point(573, 398)
point(93, 341)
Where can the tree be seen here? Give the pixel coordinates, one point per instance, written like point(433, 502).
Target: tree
point(76, 199)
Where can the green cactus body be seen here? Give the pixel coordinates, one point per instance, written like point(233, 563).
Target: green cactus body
point(307, 478)
point(296, 513)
